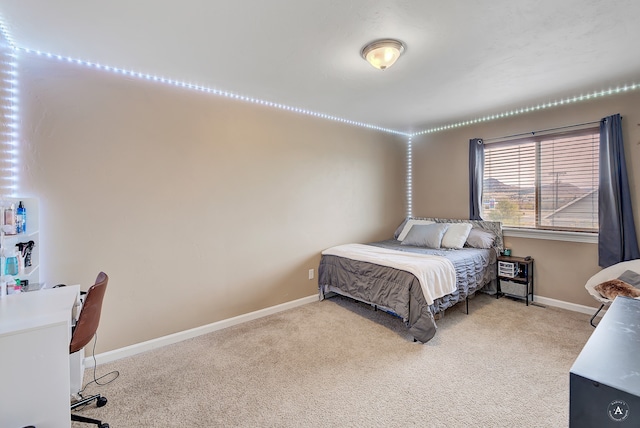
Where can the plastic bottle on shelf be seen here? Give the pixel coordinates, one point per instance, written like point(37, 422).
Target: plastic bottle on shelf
point(21, 218)
point(20, 259)
point(11, 263)
point(9, 226)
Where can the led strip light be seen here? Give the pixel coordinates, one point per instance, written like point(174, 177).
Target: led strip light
point(409, 178)
point(570, 100)
point(213, 91)
point(12, 110)
point(226, 94)
point(9, 105)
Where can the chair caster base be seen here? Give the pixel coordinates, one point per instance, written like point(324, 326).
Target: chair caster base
point(102, 401)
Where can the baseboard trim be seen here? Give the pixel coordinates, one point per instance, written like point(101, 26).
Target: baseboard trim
point(138, 348)
point(566, 305)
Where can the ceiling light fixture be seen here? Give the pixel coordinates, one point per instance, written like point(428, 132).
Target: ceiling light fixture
point(383, 53)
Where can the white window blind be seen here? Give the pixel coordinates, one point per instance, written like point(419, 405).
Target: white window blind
point(544, 182)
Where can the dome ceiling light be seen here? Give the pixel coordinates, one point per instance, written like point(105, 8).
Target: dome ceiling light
point(383, 53)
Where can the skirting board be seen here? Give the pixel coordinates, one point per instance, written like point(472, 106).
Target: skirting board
point(138, 348)
point(589, 310)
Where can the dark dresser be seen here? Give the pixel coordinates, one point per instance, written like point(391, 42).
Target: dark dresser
point(605, 378)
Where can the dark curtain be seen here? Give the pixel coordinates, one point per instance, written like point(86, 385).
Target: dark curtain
point(617, 240)
point(476, 171)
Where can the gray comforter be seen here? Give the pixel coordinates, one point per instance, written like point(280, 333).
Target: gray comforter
point(400, 292)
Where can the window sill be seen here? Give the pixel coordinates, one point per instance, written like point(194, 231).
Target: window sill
point(551, 235)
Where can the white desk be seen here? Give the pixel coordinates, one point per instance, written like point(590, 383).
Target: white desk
point(35, 331)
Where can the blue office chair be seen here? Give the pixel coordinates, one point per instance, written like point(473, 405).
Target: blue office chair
point(83, 332)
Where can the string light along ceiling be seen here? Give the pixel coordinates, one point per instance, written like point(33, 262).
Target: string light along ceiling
point(568, 100)
point(226, 94)
point(10, 105)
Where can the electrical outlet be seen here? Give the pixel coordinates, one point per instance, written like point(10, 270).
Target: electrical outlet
point(311, 273)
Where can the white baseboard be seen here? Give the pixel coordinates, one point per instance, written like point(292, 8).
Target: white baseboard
point(138, 348)
point(566, 305)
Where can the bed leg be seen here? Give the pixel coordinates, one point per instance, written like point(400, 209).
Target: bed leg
point(467, 301)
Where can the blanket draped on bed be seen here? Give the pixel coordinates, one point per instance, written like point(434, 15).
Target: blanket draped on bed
point(399, 291)
point(436, 274)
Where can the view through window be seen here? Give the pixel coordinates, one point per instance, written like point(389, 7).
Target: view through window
point(543, 182)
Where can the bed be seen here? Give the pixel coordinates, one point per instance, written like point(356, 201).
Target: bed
point(420, 272)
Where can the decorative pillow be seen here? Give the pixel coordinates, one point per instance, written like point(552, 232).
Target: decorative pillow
point(409, 224)
point(612, 288)
point(479, 238)
point(456, 235)
point(425, 235)
point(630, 277)
point(400, 228)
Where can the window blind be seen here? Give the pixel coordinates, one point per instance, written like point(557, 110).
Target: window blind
point(543, 182)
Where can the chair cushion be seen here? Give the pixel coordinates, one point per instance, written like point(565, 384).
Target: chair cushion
point(615, 287)
point(612, 272)
point(631, 278)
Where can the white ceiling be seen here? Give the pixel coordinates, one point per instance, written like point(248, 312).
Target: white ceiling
point(464, 58)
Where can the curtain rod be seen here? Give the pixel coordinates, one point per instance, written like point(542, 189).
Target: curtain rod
point(538, 132)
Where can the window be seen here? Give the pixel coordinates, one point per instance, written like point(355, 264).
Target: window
point(543, 182)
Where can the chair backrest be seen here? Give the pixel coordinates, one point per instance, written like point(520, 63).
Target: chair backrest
point(89, 318)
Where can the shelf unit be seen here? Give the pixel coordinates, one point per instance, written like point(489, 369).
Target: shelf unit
point(515, 276)
point(30, 273)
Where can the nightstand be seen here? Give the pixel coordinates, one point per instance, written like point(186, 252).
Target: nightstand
point(515, 277)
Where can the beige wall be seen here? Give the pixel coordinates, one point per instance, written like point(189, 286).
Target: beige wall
point(199, 208)
point(202, 208)
point(441, 183)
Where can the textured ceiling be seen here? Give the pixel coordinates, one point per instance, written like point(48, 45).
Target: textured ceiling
point(464, 58)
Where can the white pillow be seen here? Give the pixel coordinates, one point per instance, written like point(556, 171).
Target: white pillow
point(425, 235)
point(456, 235)
point(408, 225)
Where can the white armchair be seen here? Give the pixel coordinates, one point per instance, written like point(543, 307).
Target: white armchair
point(606, 274)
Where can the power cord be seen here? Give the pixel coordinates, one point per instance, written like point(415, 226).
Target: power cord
point(95, 380)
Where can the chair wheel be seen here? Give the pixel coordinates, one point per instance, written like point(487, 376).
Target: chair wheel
point(104, 426)
point(102, 401)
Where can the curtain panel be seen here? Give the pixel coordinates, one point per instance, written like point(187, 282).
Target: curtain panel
point(617, 240)
point(476, 172)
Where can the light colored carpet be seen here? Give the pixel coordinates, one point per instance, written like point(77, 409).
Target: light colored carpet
point(337, 363)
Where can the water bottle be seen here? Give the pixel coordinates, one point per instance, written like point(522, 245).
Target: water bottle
point(21, 218)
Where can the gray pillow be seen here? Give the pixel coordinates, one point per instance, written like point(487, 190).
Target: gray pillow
point(479, 238)
point(425, 235)
point(631, 278)
point(399, 229)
